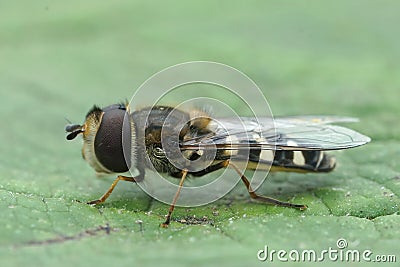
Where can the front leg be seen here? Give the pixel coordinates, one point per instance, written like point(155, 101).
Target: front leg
point(113, 185)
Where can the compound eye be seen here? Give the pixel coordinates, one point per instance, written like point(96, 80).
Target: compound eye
point(108, 141)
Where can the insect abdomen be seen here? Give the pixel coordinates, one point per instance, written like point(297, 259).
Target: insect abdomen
point(281, 160)
point(297, 161)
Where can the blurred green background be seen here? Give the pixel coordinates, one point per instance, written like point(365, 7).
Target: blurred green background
point(309, 57)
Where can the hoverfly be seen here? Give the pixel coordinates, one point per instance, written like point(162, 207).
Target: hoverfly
point(295, 144)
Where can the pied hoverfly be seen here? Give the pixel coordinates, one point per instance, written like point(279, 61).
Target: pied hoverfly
point(295, 144)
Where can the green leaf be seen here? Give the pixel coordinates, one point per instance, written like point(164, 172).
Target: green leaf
point(59, 58)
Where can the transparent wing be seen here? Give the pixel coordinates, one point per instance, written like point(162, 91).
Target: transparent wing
point(282, 133)
point(315, 119)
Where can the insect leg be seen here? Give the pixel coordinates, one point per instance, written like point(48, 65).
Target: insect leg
point(172, 207)
point(264, 198)
point(211, 168)
point(113, 185)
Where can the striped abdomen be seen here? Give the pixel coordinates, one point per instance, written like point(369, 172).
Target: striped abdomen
point(286, 160)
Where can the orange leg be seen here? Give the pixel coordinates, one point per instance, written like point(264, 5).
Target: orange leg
point(172, 207)
point(109, 191)
point(263, 198)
